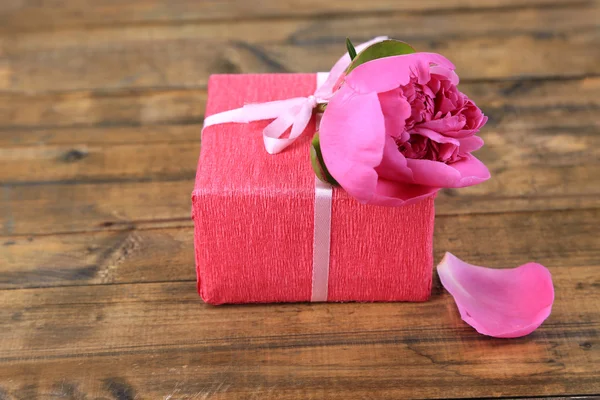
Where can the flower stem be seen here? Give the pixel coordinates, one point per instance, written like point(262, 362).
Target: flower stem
point(321, 107)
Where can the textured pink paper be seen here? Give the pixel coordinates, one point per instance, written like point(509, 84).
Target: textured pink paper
point(253, 216)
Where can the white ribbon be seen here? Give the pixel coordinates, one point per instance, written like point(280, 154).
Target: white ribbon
point(294, 113)
point(321, 241)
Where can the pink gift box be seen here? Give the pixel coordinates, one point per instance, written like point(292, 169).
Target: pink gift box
point(254, 216)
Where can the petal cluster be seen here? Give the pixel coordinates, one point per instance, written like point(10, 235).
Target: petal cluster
point(398, 129)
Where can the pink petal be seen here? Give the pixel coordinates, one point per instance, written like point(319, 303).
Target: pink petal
point(389, 73)
point(395, 111)
point(448, 125)
point(472, 171)
point(395, 194)
point(433, 173)
point(504, 303)
point(467, 172)
point(446, 73)
point(352, 136)
point(393, 166)
point(469, 144)
point(435, 136)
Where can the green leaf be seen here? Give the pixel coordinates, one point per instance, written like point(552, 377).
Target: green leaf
point(316, 159)
point(386, 48)
point(351, 49)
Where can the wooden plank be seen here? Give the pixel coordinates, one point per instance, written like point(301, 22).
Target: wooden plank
point(492, 44)
point(178, 160)
point(384, 365)
point(156, 340)
point(103, 136)
point(43, 209)
point(40, 209)
point(103, 110)
point(352, 368)
point(542, 148)
point(98, 137)
point(97, 258)
point(557, 102)
point(85, 163)
point(157, 192)
point(156, 255)
point(17, 15)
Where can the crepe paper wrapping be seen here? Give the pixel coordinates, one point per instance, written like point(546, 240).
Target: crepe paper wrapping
point(253, 215)
point(503, 303)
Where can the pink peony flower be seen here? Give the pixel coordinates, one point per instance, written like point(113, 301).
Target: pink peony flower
point(398, 130)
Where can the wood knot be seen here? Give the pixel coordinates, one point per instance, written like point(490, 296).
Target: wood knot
point(585, 345)
point(73, 155)
point(119, 388)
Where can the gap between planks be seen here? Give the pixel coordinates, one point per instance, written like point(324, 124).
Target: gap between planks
point(187, 223)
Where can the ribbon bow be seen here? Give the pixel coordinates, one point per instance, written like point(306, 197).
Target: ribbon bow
point(294, 113)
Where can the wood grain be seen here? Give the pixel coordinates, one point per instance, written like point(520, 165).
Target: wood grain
point(85, 163)
point(546, 104)
point(522, 149)
point(124, 205)
point(86, 174)
point(17, 14)
point(159, 337)
point(484, 44)
point(84, 109)
point(278, 368)
point(556, 238)
point(101, 106)
point(98, 135)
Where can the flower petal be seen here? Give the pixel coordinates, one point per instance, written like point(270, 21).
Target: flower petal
point(466, 172)
point(504, 303)
point(395, 194)
point(469, 144)
point(393, 165)
point(352, 134)
point(433, 173)
point(444, 72)
point(395, 110)
point(435, 136)
point(472, 171)
point(389, 73)
point(448, 125)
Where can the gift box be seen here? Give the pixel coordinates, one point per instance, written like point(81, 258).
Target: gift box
point(262, 233)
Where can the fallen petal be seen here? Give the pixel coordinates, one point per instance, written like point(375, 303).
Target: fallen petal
point(503, 303)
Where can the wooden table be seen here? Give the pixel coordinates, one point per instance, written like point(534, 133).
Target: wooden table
point(101, 106)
